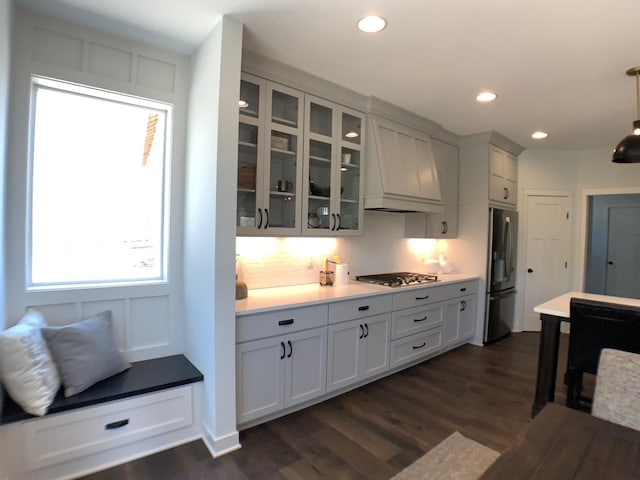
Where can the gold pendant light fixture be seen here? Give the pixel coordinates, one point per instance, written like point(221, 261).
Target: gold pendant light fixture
point(628, 150)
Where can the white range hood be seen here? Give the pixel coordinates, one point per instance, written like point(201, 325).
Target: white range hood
point(401, 174)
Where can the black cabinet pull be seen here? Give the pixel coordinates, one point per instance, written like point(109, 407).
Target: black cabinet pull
point(463, 289)
point(420, 346)
point(118, 424)
point(420, 319)
point(339, 221)
point(266, 224)
point(463, 305)
point(284, 350)
point(506, 193)
point(445, 228)
point(366, 325)
point(361, 331)
point(363, 308)
point(290, 349)
point(260, 221)
point(422, 298)
point(333, 222)
point(288, 321)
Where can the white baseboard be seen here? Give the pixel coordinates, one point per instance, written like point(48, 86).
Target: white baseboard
point(221, 445)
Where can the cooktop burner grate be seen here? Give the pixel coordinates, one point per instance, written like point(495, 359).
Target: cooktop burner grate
point(398, 279)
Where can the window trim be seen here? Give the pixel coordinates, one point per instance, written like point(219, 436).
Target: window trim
point(41, 82)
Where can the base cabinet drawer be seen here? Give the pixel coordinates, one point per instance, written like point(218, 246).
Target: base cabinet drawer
point(414, 320)
point(416, 346)
point(69, 436)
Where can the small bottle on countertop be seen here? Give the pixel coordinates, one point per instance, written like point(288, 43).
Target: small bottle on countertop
point(326, 276)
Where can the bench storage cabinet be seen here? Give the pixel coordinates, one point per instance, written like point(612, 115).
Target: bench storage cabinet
point(148, 408)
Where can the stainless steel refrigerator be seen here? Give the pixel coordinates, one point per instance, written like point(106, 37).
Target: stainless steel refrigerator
point(501, 273)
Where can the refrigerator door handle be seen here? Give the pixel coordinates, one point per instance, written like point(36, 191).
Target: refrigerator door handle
point(508, 248)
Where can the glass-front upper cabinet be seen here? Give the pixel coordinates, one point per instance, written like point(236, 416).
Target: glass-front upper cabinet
point(269, 158)
point(333, 200)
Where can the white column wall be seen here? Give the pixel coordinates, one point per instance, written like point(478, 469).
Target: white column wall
point(210, 204)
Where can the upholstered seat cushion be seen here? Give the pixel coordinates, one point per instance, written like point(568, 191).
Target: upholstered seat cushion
point(617, 392)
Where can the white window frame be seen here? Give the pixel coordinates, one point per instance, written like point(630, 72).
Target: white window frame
point(38, 82)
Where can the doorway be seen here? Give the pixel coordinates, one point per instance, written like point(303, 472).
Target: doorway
point(613, 245)
point(547, 252)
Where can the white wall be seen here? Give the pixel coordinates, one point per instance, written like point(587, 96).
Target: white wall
point(147, 319)
point(209, 286)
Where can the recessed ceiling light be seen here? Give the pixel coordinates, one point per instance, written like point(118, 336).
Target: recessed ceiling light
point(539, 135)
point(243, 104)
point(486, 96)
point(372, 24)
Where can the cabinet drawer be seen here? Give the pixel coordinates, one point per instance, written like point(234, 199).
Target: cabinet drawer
point(69, 436)
point(415, 346)
point(261, 325)
point(419, 296)
point(362, 307)
point(459, 289)
point(414, 320)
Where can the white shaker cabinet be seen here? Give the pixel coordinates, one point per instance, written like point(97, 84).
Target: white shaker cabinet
point(357, 349)
point(281, 360)
point(459, 321)
point(503, 181)
point(279, 372)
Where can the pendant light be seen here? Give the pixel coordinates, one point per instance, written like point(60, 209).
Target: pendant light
point(628, 150)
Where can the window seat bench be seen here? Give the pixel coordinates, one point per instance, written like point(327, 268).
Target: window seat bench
point(152, 406)
point(146, 376)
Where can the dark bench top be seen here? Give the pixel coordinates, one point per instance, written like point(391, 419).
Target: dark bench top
point(143, 377)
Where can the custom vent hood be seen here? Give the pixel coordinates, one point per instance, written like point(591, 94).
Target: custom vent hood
point(401, 174)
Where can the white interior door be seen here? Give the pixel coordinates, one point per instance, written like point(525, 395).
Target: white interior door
point(547, 253)
point(623, 253)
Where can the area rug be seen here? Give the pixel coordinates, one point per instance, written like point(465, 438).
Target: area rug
point(455, 458)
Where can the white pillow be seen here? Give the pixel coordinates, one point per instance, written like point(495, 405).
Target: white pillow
point(26, 368)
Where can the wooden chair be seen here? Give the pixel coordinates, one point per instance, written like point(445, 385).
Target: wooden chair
point(617, 393)
point(594, 326)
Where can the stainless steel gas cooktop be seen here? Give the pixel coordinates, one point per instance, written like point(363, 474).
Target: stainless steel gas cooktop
point(398, 279)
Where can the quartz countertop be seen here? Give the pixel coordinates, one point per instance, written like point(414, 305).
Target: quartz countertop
point(559, 306)
point(270, 299)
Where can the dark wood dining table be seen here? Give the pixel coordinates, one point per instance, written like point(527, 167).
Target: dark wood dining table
point(562, 443)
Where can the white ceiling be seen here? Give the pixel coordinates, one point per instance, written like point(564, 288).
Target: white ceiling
point(557, 65)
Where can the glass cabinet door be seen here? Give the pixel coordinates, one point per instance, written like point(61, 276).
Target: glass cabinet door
point(250, 139)
point(269, 158)
point(283, 162)
point(350, 172)
point(334, 158)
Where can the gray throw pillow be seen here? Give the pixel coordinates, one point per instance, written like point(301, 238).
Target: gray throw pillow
point(84, 352)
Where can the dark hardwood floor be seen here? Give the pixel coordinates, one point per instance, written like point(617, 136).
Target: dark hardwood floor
point(485, 393)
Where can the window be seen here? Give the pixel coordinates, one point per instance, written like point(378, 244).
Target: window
point(98, 187)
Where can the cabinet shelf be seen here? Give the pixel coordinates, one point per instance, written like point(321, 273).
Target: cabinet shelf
point(275, 193)
point(284, 121)
point(249, 113)
point(282, 151)
point(320, 161)
point(318, 197)
point(350, 166)
point(246, 190)
point(247, 145)
point(348, 200)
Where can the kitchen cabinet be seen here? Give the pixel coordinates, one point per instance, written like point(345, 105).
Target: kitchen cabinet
point(503, 181)
point(269, 158)
point(280, 360)
point(358, 343)
point(334, 137)
point(489, 171)
point(357, 349)
point(279, 372)
point(445, 224)
point(459, 320)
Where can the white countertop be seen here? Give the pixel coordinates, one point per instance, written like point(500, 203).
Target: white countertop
point(268, 299)
point(559, 306)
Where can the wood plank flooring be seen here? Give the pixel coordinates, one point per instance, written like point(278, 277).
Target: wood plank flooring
point(485, 393)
